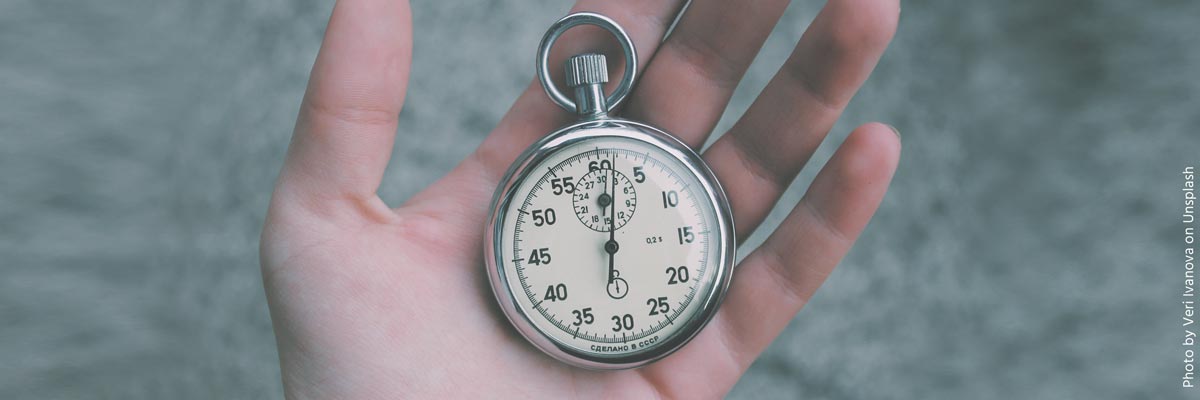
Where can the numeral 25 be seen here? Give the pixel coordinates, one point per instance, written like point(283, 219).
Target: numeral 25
point(658, 305)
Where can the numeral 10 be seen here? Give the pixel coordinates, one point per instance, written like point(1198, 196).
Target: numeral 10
point(670, 199)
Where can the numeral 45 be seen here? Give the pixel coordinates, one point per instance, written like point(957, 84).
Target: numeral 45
point(539, 256)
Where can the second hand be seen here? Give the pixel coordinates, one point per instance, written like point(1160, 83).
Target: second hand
point(611, 246)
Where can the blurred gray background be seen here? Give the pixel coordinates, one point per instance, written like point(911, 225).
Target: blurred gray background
point(1030, 246)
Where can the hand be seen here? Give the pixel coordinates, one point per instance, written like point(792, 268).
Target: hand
point(611, 246)
point(374, 302)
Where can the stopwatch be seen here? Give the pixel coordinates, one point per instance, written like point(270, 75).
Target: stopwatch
point(610, 243)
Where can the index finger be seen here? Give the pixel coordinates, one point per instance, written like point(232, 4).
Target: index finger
point(347, 124)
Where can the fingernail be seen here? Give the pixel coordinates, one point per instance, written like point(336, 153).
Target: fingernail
point(896, 131)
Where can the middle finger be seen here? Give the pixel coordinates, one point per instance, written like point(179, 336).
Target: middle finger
point(689, 81)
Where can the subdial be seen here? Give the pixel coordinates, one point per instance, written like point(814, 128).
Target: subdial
point(604, 200)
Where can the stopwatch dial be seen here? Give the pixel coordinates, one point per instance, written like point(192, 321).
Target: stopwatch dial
point(616, 284)
point(604, 199)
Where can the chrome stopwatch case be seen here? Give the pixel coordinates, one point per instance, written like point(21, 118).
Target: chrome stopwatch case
point(610, 243)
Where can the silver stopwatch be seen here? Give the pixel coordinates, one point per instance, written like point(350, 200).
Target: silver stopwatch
point(610, 243)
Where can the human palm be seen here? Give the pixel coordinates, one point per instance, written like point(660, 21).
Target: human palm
point(370, 301)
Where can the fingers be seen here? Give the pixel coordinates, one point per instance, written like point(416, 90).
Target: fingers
point(347, 124)
point(778, 278)
point(758, 158)
point(689, 82)
point(534, 115)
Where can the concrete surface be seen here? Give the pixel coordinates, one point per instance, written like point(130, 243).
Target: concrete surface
point(1030, 247)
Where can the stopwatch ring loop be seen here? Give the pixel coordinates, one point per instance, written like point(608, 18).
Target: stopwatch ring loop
point(571, 21)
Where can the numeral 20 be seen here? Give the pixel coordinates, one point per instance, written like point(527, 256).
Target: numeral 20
point(677, 275)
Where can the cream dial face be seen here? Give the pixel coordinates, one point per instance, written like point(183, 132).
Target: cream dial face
point(610, 246)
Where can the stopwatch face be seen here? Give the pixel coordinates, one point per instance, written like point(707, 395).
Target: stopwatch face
point(611, 246)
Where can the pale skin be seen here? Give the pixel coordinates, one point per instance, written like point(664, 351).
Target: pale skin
point(371, 301)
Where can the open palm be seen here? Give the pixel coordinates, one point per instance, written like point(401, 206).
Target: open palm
point(370, 301)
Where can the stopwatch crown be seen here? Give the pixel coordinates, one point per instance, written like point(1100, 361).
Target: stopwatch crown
point(586, 69)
